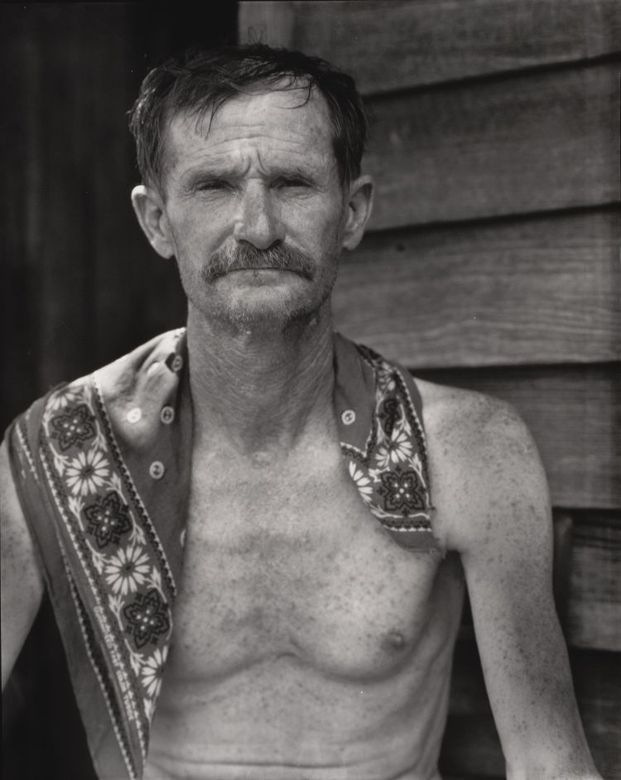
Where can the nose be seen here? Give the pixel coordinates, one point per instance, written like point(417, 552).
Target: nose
point(258, 219)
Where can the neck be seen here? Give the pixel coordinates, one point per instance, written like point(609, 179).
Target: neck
point(259, 388)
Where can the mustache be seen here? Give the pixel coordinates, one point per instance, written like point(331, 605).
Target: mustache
point(245, 257)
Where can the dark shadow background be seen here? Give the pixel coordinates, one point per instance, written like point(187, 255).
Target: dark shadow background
point(80, 285)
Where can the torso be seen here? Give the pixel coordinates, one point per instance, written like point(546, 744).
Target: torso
point(307, 643)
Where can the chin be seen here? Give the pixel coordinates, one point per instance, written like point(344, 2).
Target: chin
point(267, 310)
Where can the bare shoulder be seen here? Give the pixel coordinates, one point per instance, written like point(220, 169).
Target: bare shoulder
point(487, 475)
point(22, 584)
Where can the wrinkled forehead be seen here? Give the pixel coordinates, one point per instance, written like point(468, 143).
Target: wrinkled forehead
point(292, 114)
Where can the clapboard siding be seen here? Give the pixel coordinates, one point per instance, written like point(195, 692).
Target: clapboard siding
point(533, 290)
point(594, 599)
point(527, 143)
point(573, 412)
point(471, 745)
point(406, 44)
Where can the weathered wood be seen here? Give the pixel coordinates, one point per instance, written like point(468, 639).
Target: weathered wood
point(396, 45)
point(594, 604)
point(535, 290)
point(573, 413)
point(524, 144)
point(471, 744)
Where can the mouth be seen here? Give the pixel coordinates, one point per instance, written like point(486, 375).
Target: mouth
point(265, 272)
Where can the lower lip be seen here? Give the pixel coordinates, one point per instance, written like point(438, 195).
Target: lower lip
point(261, 275)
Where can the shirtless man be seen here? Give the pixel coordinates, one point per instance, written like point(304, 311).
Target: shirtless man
point(326, 548)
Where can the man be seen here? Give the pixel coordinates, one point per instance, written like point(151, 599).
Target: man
point(312, 513)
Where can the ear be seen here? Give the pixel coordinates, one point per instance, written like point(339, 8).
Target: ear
point(359, 207)
point(151, 215)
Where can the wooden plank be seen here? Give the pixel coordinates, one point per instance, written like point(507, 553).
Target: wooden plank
point(573, 413)
point(409, 44)
point(520, 145)
point(471, 744)
point(594, 604)
point(534, 290)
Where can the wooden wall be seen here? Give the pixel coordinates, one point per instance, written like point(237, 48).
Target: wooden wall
point(492, 262)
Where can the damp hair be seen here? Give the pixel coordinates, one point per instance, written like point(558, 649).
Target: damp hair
point(198, 82)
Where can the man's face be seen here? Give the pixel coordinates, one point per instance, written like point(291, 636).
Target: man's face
point(262, 177)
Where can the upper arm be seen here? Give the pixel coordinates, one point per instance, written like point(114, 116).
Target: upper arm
point(22, 585)
point(501, 525)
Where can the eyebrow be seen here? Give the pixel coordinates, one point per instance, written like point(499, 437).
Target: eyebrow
point(218, 171)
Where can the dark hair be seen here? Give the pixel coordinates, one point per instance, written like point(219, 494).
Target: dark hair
point(201, 80)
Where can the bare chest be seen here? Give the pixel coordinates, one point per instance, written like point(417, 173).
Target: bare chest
point(292, 563)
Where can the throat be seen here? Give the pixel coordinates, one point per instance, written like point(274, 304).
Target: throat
point(260, 391)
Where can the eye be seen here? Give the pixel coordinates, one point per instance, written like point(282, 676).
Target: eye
point(291, 181)
point(212, 185)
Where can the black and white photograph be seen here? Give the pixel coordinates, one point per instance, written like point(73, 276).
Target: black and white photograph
point(311, 334)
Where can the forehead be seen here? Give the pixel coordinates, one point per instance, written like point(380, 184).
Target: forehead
point(280, 124)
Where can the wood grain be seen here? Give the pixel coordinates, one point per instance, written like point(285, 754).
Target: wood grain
point(535, 290)
point(407, 44)
point(594, 603)
point(528, 143)
point(573, 413)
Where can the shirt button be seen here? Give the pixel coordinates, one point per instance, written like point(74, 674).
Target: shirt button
point(134, 415)
point(348, 417)
point(156, 469)
point(177, 363)
point(167, 415)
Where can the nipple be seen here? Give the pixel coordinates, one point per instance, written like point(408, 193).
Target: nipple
point(395, 640)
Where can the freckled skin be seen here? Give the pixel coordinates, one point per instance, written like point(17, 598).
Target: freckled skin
point(307, 643)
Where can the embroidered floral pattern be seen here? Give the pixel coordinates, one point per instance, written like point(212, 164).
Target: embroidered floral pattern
point(362, 482)
point(86, 473)
point(75, 426)
point(108, 519)
point(147, 617)
point(402, 492)
point(127, 570)
point(396, 449)
point(152, 672)
point(121, 563)
point(390, 475)
point(389, 414)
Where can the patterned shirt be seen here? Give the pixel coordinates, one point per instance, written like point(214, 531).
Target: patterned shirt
point(102, 470)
